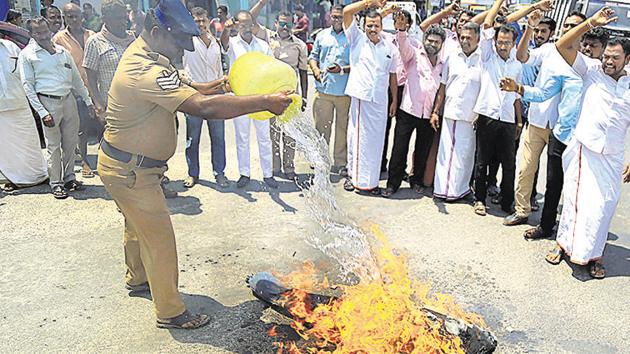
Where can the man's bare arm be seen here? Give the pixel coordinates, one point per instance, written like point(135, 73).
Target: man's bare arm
point(542, 6)
point(451, 10)
point(350, 10)
point(565, 44)
point(488, 22)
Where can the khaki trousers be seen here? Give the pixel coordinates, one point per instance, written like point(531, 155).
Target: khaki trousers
point(149, 239)
point(535, 141)
point(324, 106)
point(283, 147)
point(61, 139)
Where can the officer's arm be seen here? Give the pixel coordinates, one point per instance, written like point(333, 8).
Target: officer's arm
point(216, 87)
point(226, 107)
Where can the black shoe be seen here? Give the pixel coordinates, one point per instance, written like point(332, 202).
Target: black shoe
point(347, 185)
point(515, 219)
point(387, 192)
point(291, 176)
point(271, 182)
point(222, 181)
point(73, 186)
point(242, 182)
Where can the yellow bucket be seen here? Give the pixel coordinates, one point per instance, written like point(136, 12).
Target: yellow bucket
point(255, 73)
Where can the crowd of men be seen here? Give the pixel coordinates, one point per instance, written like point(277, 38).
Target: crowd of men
point(469, 92)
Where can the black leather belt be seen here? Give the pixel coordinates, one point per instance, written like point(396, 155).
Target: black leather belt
point(123, 156)
point(51, 96)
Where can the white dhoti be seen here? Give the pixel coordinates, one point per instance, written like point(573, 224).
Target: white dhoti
point(21, 158)
point(455, 160)
point(242, 127)
point(592, 187)
point(366, 138)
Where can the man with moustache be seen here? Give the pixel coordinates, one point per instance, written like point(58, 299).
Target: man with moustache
point(542, 116)
point(594, 159)
point(568, 85)
point(140, 137)
point(53, 15)
point(499, 112)
point(374, 62)
point(459, 88)
point(423, 67)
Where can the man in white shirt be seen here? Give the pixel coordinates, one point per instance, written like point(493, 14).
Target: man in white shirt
point(21, 159)
point(49, 75)
point(456, 97)
point(204, 65)
point(373, 61)
point(542, 117)
point(499, 112)
point(236, 46)
point(594, 159)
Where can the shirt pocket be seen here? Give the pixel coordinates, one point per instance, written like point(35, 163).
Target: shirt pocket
point(473, 74)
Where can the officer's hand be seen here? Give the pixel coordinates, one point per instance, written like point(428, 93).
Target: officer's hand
point(435, 121)
point(48, 121)
point(277, 103)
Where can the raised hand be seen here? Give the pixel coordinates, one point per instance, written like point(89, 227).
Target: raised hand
point(533, 20)
point(377, 3)
point(454, 8)
point(603, 17)
point(545, 5)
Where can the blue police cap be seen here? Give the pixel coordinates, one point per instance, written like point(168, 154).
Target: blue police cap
point(175, 18)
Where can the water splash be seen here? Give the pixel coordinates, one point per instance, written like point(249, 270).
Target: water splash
point(338, 238)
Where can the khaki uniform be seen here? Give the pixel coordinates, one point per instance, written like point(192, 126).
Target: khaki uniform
point(294, 52)
point(144, 97)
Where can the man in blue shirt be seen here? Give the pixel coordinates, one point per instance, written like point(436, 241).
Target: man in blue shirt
point(568, 84)
point(330, 63)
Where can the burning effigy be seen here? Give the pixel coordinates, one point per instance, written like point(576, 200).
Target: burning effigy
point(390, 313)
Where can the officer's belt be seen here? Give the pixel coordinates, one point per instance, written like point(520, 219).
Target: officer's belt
point(126, 157)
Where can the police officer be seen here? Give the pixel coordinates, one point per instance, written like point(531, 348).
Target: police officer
point(140, 137)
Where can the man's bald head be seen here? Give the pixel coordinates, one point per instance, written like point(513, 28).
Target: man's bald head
point(72, 16)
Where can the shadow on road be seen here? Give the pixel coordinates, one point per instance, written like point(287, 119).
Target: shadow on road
point(237, 328)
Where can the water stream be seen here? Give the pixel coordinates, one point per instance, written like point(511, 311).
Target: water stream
point(338, 237)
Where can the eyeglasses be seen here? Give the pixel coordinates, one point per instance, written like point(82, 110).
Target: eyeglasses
point(285, 24)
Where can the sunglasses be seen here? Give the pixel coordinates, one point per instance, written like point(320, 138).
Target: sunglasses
point(285, 24)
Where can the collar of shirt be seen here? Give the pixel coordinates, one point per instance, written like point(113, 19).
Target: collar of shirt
point(36, 47)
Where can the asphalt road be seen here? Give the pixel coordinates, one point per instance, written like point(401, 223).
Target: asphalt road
point(61, 286)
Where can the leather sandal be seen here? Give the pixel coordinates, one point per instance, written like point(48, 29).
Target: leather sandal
point(596, 270)
point(554, 256)
point(184, 321)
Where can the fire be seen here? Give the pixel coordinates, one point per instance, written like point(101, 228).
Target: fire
point(386, 315)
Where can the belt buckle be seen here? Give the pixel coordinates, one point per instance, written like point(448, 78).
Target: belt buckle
point(139, 163)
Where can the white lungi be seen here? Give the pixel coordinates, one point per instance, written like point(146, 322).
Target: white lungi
point(242, 127)
point(366, 139)
point(21, 158)
point(592, 187)
point(455, 160)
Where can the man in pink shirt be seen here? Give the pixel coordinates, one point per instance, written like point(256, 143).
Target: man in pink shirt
point(300, 29)
point(423, 67)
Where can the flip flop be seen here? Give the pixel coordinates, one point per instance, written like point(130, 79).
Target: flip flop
point(597, 270)
point(184, 321)
point(554, 256)
point(535, 233)
point(59, 192)
point(480, 209)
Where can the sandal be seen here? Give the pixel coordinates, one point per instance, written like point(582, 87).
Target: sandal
point(347, 185)
point(554, 256)
point(596, 270)
point(59, 192)
point(535, 233)
point(418, 188)
point(184, 321)
point(87, 173)
point(479, 209)
point(73, 185)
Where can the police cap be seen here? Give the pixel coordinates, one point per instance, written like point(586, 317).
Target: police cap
point(173, 16)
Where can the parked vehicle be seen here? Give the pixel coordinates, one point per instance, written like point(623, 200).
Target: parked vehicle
point(15, 34)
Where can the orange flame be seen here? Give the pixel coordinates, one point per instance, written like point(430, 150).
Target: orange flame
point(382, 316)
